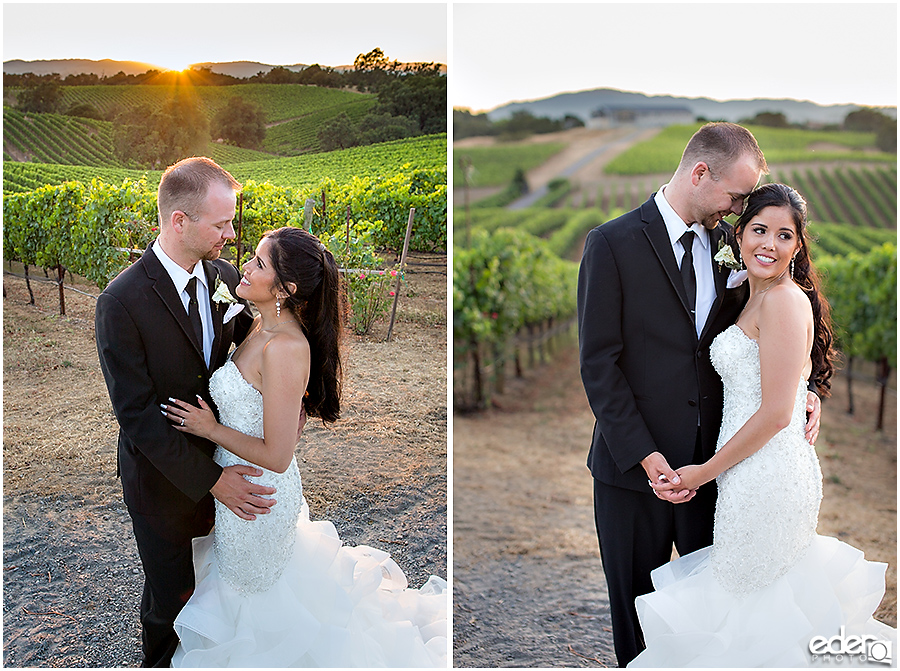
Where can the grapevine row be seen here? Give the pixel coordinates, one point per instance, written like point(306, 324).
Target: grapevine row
point(504, 284)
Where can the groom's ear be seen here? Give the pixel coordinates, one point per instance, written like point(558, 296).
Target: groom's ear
point(700, 168)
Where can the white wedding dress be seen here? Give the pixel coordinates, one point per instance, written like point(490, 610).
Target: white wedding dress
point(283, 591)
point(769, 584)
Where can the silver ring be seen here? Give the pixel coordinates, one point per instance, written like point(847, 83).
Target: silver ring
point(182, 421)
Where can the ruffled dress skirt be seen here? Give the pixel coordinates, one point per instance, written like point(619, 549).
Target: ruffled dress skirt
point(333, 606)
point(832, 591)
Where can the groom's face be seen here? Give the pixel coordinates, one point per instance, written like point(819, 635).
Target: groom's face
point(207, 232)
point(724, 193)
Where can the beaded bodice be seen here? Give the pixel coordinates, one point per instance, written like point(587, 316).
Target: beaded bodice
point(768, 504)
point(252, 554)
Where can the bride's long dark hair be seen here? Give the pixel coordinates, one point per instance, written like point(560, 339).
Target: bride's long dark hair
point(804, 275)
point(299, 258)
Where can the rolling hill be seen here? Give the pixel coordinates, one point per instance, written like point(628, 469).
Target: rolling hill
point(583, 103)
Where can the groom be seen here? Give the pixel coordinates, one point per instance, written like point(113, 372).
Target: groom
point(155, 340)
point(650, 301)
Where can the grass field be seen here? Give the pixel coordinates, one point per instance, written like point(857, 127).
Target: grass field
point(497, 165)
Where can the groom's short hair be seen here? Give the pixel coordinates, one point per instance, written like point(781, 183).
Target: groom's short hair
point(185, 184)
point(719, 145)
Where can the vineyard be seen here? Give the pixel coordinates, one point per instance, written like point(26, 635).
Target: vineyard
point(293, 111)
point(852, 196)
point(279, 103)
point(428, 152)
point(780, 145)
point(71, 206)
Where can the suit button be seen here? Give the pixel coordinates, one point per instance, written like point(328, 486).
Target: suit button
point(692, 403)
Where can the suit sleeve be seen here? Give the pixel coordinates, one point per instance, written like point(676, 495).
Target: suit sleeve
point(136, 404)
point(601, 340)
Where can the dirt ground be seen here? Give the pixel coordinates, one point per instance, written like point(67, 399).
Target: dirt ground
point(528, 584)
point(71, 575)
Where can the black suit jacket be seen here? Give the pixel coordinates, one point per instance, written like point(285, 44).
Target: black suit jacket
point(647, 375)
point(148, 353)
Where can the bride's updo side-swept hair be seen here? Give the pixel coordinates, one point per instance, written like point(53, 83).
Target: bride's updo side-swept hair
point(298, 257)
point(804, 275)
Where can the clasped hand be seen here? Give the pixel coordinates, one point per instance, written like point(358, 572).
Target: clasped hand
point(675, 486)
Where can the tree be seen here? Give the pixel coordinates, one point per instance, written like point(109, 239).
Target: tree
point(886, 136)
point(338, 133)
point(40, 96)
point(156, 138)
point(375, 127)
point(771, 119)
point(421, 97)
point(466, 124)
point(85, 111)
point(315, 75)
point(867, 120)
point(372, 70)
point(374, 60)
point(241, 123)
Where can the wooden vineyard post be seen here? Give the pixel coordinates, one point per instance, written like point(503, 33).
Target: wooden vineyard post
point(409, 223)
point(309, 209)
point(61, 274)
point(28, 284)
point(348, 229)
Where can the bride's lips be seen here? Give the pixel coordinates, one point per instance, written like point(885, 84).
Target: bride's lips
point(765, 260)
point(245, 282)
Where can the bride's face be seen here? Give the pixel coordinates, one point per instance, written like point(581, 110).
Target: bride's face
point(259, 282)
point(769, 241)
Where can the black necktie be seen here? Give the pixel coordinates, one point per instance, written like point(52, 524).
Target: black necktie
point(194, 309)
point(687, 271)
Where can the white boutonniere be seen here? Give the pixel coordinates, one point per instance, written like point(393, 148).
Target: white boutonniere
point(223, 295)
point(725, 257)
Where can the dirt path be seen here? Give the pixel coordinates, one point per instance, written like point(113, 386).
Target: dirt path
point(580, 144)
point(528, 584)
point(71, 575)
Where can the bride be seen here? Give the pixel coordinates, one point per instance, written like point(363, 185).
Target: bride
point(278, 589)
point(769, 591)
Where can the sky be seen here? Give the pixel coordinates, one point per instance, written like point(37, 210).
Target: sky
point(174, 35)
point(829, 53)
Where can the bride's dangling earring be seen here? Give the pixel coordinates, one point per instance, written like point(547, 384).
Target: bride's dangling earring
point(792, 267)
point(277, 309)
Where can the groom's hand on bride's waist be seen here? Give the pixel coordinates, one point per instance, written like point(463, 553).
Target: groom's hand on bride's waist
point(245, 499)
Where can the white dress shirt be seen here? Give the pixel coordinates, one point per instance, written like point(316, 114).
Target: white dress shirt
point(703, 267)
point(180, 278)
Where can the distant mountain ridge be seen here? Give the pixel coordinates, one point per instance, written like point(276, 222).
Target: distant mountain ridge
point(77, 66)
point(108, 68)
point(583, 103)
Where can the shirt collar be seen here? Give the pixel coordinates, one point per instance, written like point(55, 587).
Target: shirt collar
point(178, 274)
point(675, 225)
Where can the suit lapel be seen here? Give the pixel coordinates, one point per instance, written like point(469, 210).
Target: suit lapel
point(216, 310)
point(165, 289)
point(655, 230)
point(718, 235)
